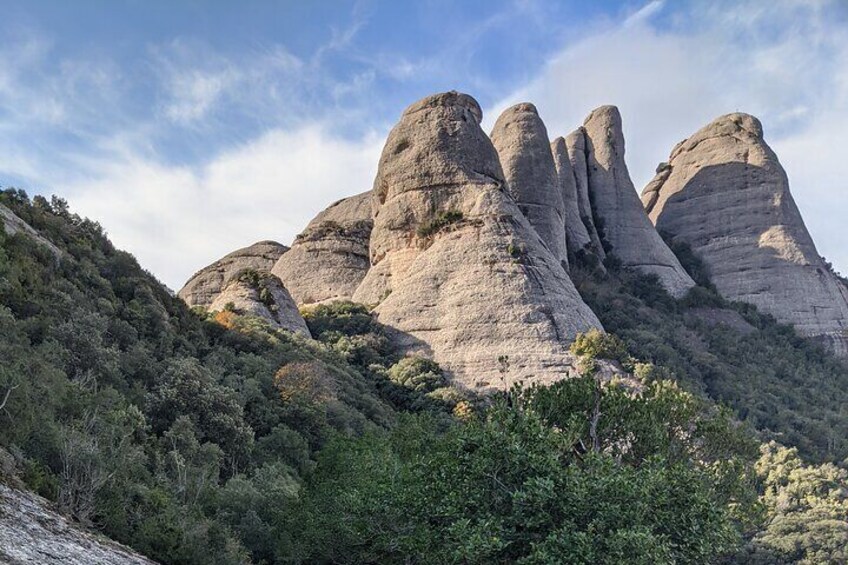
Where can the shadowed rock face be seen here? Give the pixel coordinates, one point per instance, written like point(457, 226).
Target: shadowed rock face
point(202, 288)
point(577, 236)
point(262, 295)
point(457, 269)
point(575, 143)
point(330, 258)
point(614, 201)
point(725, 193)
point(521, 140)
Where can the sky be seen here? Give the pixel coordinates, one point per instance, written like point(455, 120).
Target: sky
point(191, 128)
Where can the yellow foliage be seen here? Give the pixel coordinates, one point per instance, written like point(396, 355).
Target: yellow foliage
point(307, 381)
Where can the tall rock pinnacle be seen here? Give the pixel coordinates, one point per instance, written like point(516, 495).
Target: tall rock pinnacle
point(577, 236)
point(626, 227)
point(725, 193)
point(521, 140)
point(329, 259)
point(575, 143)
point(457, 269)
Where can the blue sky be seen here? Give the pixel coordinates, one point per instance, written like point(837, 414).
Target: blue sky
point(190, 128)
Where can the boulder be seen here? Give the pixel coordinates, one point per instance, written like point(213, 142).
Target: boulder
point(725, 193)
point(205, 285)
point(575, 143)
point(521, 140)
point(577, 236)
point(457, 270)
point(330, 258)
point(625, 225)
point(251, 293)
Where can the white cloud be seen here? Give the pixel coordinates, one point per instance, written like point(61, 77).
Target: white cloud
point(176, 220)
point(788, 65)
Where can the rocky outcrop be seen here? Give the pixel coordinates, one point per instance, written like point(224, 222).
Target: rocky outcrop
point(31, 531)
point(330, 258)
point(575, 143)
point(625, 226)
point(577, 236)
point(521, 140)
point(263, 295)
point(725, 193)
point(202, 288)
point(457, 270)
point(12, 224)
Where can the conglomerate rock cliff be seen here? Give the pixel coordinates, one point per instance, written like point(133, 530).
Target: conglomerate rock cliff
point(725, 193)
point(521, 140)
point(577, 235)
point(205, 285)
point(575, 144)
point(626, 227)
point(329, 259)
point(457, 269)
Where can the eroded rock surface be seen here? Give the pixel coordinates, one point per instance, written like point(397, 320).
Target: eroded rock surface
point(725, 193)
point(260, 294)
point(626, 226)
point(32, 532)
point(202, 288)
point(577, 236)
point(521, 140)
point(12, 224)
point(575, 143)
point(330, 258)
point(457, 269)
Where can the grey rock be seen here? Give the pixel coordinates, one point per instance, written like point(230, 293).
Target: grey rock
point(521, 140)
point(33, 532)
point(330, 258)
point(262, 295)
point(457, 270)
point(626, 226)
point(725, 193)
point(577, 236)
point(205, 285)
point(575, 143)
point(12, 224)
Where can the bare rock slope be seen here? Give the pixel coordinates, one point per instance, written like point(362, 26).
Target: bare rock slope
point(725, 193)
point(575, 143)
point(263, 295)
point(329, 259)
point(457, 269)
point(614, 200)
point(205, 285)
point(32, 532)
point(521, 140)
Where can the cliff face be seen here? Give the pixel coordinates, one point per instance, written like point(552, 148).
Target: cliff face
point(725, 193)
point(202, 288)
point(521, 140)
point(614, 200)
point(457, 269)
point(329, 259)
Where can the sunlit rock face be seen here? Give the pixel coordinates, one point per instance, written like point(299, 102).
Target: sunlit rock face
point(724, 192)
point(329, 259)
point(456, 268)
point(521, 140)
point(205, 285)
point(615, 203)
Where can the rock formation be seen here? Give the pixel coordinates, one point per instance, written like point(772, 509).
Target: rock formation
point(521, 140)
point(205, 285)
point(575, 143)
point(625, 226)
point(457, 269)
point(263, 295)
point(12, 224)
point(32, 531)
point(577, 236)
point(330, 258)
point(725, 193)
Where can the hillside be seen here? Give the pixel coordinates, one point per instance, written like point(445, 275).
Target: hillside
point(494, 398)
